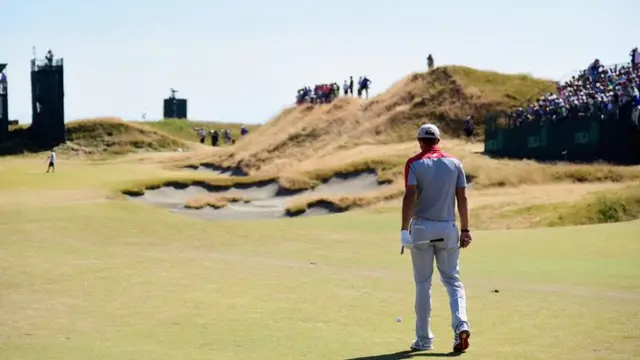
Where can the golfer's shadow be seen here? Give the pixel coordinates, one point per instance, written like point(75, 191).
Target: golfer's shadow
point(406, 354)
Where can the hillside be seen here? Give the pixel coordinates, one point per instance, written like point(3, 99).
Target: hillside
point(114, 136)
point(445, 96)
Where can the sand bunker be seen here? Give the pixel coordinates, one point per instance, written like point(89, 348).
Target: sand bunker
point(228, 171)
point(267, 200)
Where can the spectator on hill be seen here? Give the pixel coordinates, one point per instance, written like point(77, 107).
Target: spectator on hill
point(635, 59)
point(363, 85)
point(303, 94)
point(243, 131)
point(351, 85)
point(326, 93)
point(321, 94)
point(430, 62)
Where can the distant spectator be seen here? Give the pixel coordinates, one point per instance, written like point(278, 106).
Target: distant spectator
point(202, 134)
point(49, 57)
point(468, 129)
point(227, 136)
point(596, 89)
point(430, 63)
point(326, 93)
point(321, 94)
point(3, 82)
point(594, 69)
point(243, 131)
point(52, 161)
point(363, 86)
point(635, 59)
point(215, 137)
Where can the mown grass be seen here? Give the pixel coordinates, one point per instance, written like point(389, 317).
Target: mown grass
point(214, 201)
point(183, 129)
point(118, 280)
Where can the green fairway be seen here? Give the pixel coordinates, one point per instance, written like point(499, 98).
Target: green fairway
point(87, 275)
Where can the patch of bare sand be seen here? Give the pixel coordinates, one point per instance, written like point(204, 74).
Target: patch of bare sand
point(266, 201)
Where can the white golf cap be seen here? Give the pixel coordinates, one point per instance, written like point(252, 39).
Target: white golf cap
point(428, 131)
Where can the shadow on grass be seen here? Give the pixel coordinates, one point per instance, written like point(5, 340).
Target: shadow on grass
point(406, 354)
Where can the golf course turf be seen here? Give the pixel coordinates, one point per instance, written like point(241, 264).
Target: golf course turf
point(86, 274)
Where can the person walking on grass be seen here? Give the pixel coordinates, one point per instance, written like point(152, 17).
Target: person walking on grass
point(434, 182)
point(52, 161)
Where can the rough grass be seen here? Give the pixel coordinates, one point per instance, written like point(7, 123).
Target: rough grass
point(137, 188)
point(183, 129)
point(343, 203)
point(214, 201)
point(388, 162)
point(116, 137)
point(602, 207)
point(304, 145)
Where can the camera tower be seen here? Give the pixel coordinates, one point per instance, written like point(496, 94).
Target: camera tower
point(47, 101)
point(174, 108)
point(4, 106)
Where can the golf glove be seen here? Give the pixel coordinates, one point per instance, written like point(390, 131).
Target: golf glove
point(405, 239)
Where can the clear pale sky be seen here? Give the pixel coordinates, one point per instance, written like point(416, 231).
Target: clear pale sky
point(243, 60)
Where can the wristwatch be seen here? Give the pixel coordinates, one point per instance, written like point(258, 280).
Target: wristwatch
point(465, 230)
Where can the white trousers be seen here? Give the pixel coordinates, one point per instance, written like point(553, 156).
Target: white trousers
point(445, 249)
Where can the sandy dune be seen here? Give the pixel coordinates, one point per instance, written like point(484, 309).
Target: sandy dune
point(267, 201)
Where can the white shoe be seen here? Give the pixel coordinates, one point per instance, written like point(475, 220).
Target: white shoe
point(461, 341)
point(418, 345)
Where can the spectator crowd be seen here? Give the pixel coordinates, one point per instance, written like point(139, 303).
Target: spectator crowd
point(597, 89)
point(326, 93)
point(216, 136)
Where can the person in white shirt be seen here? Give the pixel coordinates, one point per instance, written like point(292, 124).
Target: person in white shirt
point(52, 161)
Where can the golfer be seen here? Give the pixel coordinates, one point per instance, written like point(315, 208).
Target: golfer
point(434, 181)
